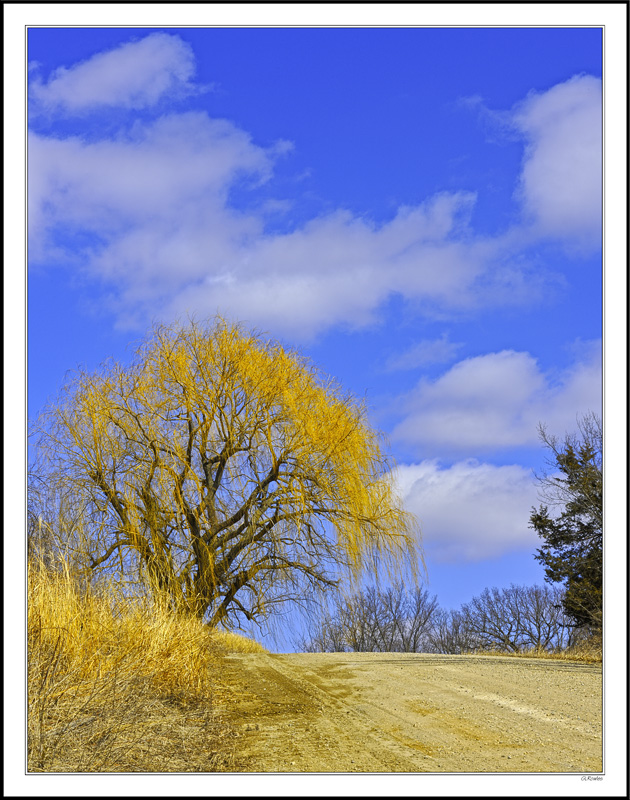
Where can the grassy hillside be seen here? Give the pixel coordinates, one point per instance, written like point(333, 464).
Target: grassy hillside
point(118, 684)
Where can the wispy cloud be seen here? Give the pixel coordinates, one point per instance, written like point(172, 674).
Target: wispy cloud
point(424, 353)
point(471, 510)
point(496, 401)
point(134, 75)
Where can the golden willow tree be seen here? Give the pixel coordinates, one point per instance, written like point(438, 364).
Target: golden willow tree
point(226, 472)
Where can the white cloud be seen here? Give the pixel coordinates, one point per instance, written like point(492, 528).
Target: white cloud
point(561, 181)
point(151, 185)
point(156, 202)
point(496, 401)
point(428, 351)
point(470, 511)
point(339, 269)
point(134, 75)
point(148, 211)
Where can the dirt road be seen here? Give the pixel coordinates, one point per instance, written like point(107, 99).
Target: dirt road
point(395, 712)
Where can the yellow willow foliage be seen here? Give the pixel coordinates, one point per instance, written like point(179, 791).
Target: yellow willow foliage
point(224, 462)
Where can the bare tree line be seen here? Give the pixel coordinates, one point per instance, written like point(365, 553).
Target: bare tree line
point(391, 620)
point(516, 619)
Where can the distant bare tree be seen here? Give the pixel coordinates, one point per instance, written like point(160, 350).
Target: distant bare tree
point(327, 636)
point(450, 634)
point(415, 622)
point(373, 620)
point(514, 620)
point(494, 618)
point(544, 625)
point(517, 618)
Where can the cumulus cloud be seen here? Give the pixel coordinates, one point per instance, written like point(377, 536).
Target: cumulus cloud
point(134, 75)
point(154, 203)
point(561, 181)
point(496, 401)
point(470, 511)
point(150, 212)
point(339, 268)
point(146, 186)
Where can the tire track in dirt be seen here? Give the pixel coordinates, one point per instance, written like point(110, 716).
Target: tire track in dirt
point(394, 712)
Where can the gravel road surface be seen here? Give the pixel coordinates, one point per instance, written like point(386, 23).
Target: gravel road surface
point(403, 712)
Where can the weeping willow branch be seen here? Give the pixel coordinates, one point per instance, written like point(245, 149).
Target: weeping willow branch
point(228, 471)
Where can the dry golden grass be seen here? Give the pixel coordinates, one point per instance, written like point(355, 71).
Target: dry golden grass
point(120, 686)
point(588, 652)
point(229, 642)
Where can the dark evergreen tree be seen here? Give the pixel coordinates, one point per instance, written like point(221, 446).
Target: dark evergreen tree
point(573, 538)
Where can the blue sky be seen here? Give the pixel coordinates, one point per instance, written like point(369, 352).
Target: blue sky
point(416, 209)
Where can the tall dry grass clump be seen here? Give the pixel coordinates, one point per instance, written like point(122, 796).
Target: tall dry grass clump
point(117, 684)
point(230, 642)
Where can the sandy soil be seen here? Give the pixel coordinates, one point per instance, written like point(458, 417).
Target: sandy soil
point(395, 712)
